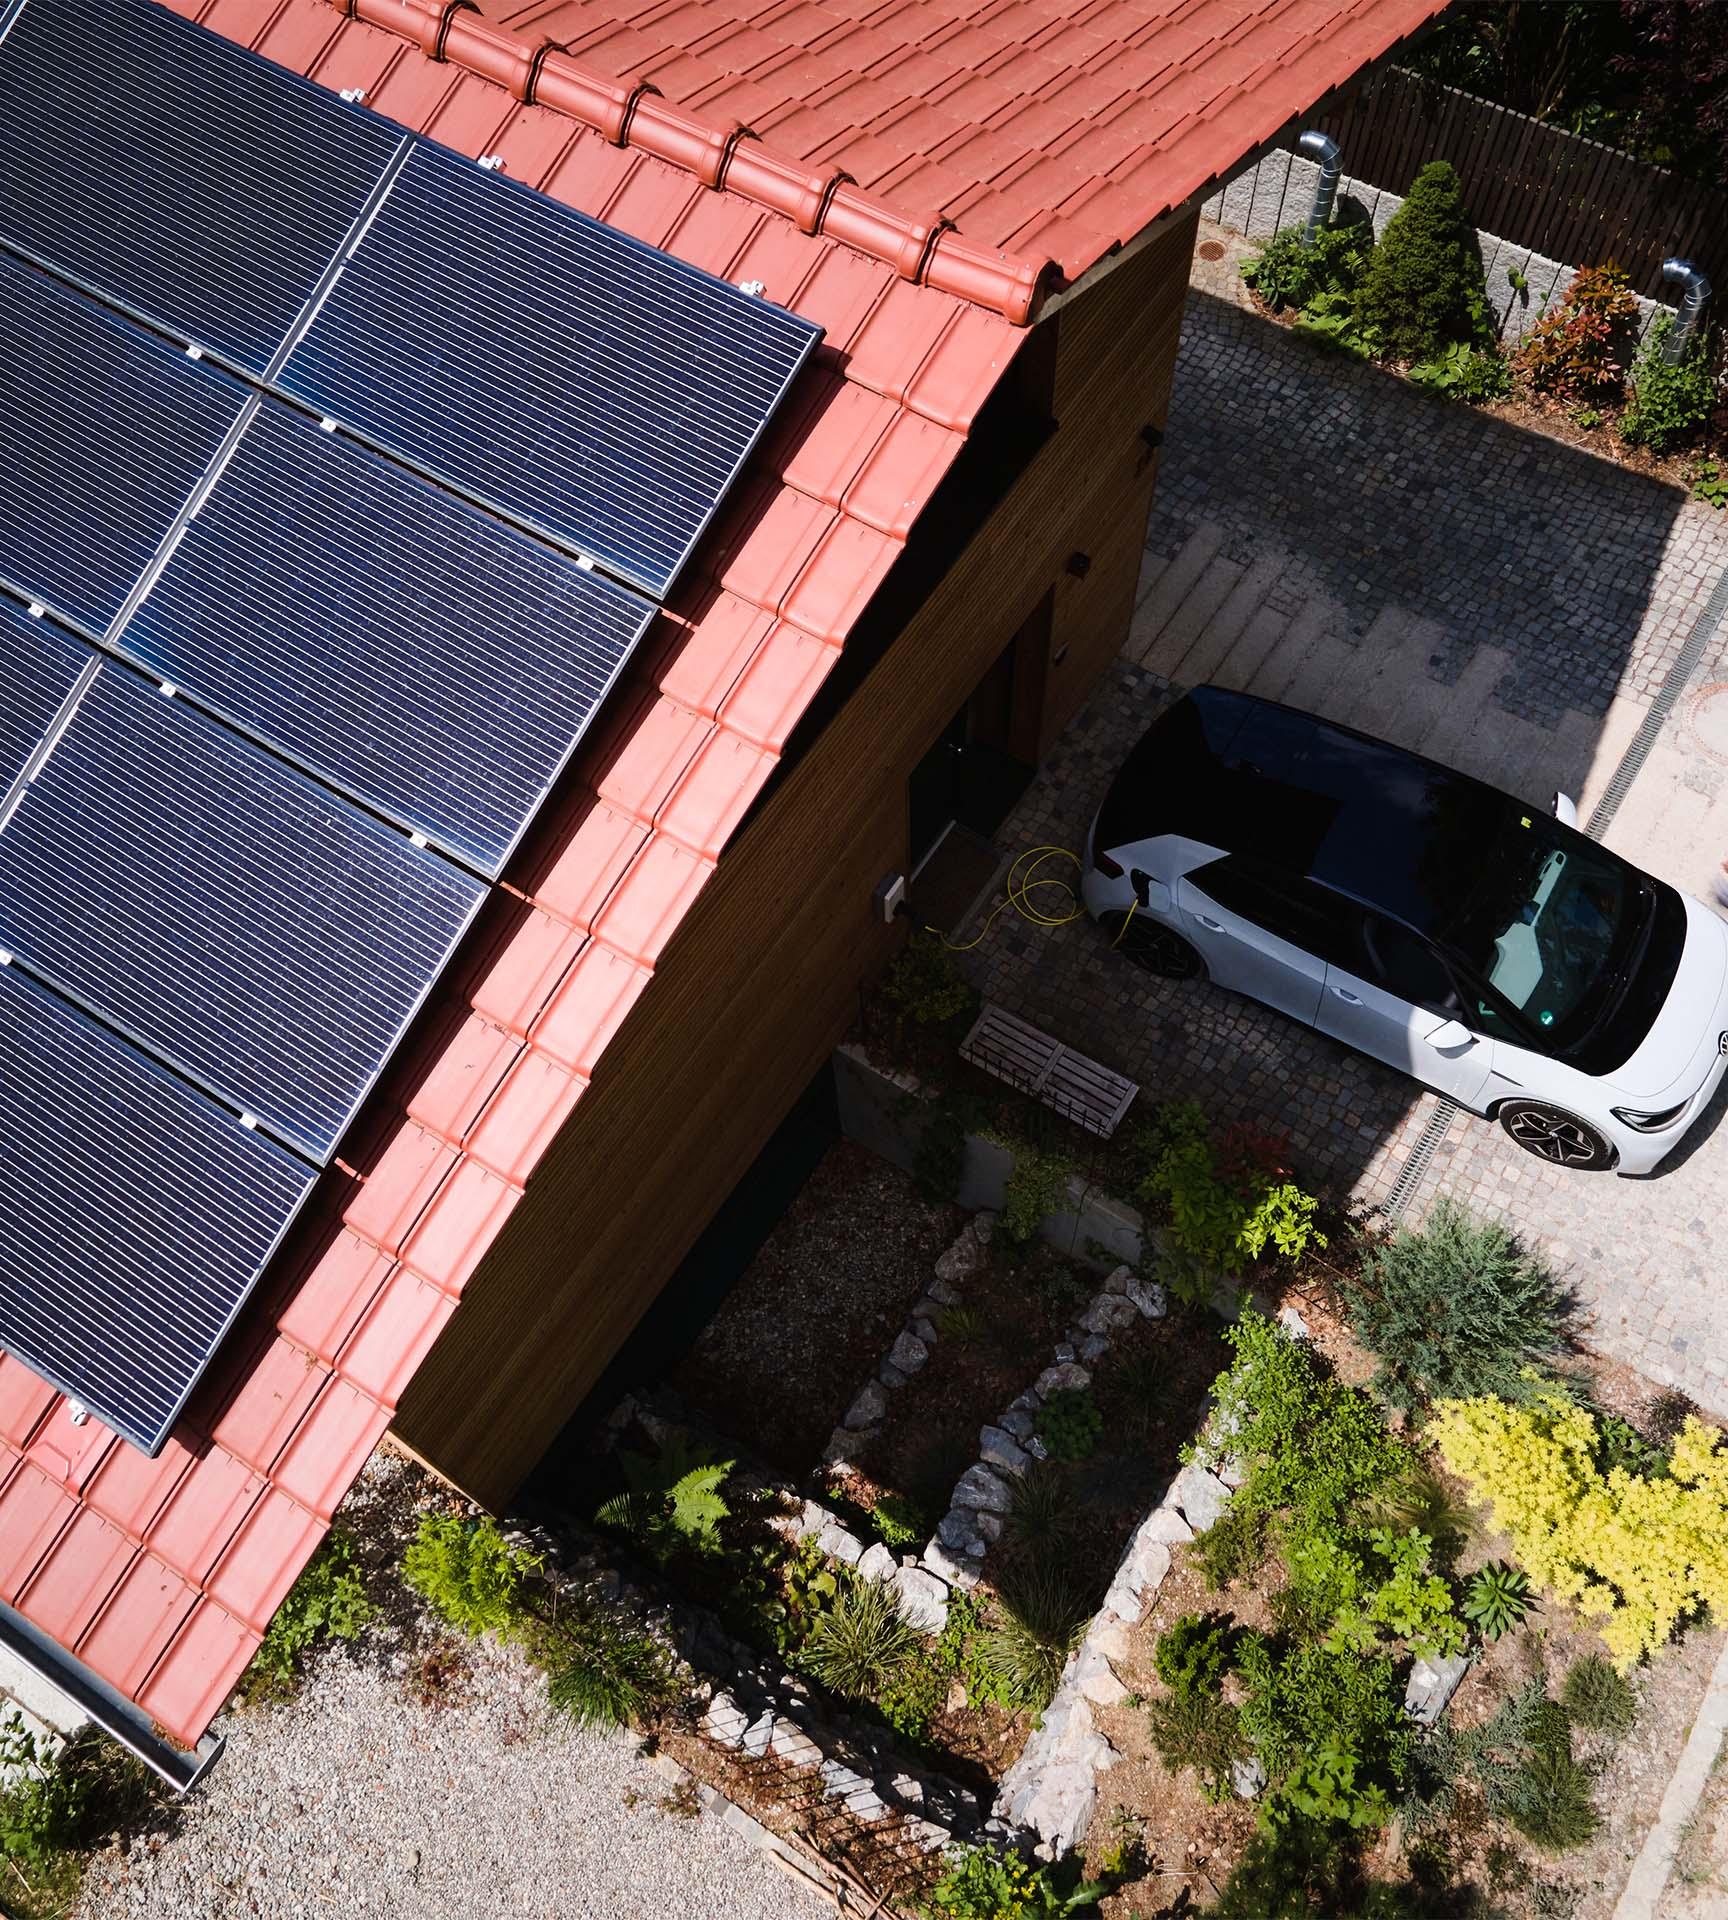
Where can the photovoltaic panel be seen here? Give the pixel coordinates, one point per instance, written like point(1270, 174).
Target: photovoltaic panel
point(104, 433)
point(138, 1215)
point(581, 381)
point(175, 172)
point(400, 643)
point(39, 667)
point(266, 940)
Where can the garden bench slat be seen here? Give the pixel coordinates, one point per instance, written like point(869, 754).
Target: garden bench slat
point(1079, 1088)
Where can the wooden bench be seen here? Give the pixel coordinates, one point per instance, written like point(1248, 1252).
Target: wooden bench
point(1012, 1050)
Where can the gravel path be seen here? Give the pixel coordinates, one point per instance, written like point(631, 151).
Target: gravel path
point(352, 1801)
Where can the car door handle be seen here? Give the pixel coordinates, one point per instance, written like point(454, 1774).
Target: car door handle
point(1211, 926)
point(1349, 998)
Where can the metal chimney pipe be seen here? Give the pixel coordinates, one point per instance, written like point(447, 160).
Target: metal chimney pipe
point(1697, 292)
point(1323, 148)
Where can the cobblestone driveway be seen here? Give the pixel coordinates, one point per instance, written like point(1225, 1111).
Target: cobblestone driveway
point(1315, 522)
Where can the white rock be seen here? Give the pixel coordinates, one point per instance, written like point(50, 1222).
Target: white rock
point(890, 1375)
point(1293, 1323)
point(1144, 1566)
point(839, 1544)
point(756, 1737)
point(1248, 1777)
point(1065, 1352)
point(724, 1721)
point(923, 1598)
point(1001, 1449)
point(983, 1226)
point(989, 1526)
point(1166, 1524)
point(925, 1329)
point(1104, 1689)
point(956, 1569)
point(979, 1487)
point(876, 1563)
point(1201, 1495)
point(1148, 1296)
point(844, 1449)
point(965, 1257)
point(943, 1292)
point(1019, 1424)
point(1124, 1603)
point(1117, 1279)
point(958, 1531)
point(1037, 1448)
point(1110, 1637)
point(1093, 1348)
point(1064, 1375)
point(793, 1745)
point(908, 1353)
point(868, 1408)
point(1432, 1685)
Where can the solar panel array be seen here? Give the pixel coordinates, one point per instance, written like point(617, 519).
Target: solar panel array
point(341, 478)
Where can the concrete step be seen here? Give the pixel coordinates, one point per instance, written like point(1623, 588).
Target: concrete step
point(1191, 620)
point(1171, 589)
point(1230, 622)
point(1314, 654)
point(1454, 711)
point(1258, 641)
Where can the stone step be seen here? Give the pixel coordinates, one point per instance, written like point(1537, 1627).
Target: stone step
point(1171, 589)
point(1262, 636)
point(1191, 620)
point(1229, 623)
point(1457, 708)
point(1310, 659)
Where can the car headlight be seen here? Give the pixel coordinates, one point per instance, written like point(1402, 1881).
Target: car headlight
point(1649, 1122)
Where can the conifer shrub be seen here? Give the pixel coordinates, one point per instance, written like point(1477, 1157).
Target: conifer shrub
point(1457, 1309)
point(1423, 288)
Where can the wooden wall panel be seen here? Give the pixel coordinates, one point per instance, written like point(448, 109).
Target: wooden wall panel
point(765, 975)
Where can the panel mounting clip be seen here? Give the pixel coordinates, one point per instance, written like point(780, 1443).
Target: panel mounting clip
point(490, 163)
point(755, 288)
point(355, 96)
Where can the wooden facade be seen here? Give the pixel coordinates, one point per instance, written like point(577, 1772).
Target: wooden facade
point(764, 976)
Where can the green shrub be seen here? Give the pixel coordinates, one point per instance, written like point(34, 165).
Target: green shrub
point(327, 1602)
point(606, 1672)
point(924, 984)
point(1596, 1696)
point(467, 1572)
point(1139, 1388)
point(1285, 273)
point(1709, 479)
point(1550, 1801)
point(1301, 1698)
point(1620, 1444)
point(1496, 1598)
point(1037, 1187)
point(1222, 1209)
point(1670, 404)
point(1232, 1547)
point(1457, 1309)
point(1043, 1517)
point(1333, 322)
point(899, 1522)
point(1579, 353)
point(1326, 1786)
point(1360, 1591)
point(940, 1127)
point(978, 1883)
point(1195, 1653)
point(861, 1644)
point(1424, 1503)
point(959, 1326)
point(1423, 288)
point(1202, 1731)
point(1070, 1424)
point(42, 1805)
point(673, 1502)
point(1295, 1870)
point(1043, 1615)
point(1475, 375)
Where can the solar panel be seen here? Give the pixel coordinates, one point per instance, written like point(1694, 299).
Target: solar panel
point(580, 381)
point(175, 172)
point(264, 939)
point(39, 667)
point(104, 433)
point(138, 1215)
point(417, 653)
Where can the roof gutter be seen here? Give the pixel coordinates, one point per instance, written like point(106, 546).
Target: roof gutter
point(117, 1716)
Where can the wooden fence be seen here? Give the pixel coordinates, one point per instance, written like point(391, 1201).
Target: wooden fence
point(1571, 200)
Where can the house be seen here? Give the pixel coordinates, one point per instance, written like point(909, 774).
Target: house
point(989, 212)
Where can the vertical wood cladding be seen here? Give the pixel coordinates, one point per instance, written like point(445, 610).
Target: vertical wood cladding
point(764, 976)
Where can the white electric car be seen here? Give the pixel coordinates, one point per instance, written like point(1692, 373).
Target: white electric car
point(1473, 941)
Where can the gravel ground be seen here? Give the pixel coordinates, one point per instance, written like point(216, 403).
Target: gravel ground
point(351, 1801)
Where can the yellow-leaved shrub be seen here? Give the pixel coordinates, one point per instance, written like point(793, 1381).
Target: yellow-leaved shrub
point(1632, 1554)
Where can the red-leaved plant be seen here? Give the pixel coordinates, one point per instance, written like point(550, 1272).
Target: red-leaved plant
point(1581, 351)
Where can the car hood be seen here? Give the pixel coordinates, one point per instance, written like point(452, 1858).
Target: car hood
point(1676, 1055)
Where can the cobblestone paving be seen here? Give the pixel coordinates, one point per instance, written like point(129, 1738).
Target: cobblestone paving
point(1587, 580)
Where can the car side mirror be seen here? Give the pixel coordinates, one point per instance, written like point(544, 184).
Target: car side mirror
point(1564, 809)
point(1451, 1036)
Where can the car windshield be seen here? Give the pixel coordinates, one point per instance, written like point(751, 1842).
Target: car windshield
point(1552, 924)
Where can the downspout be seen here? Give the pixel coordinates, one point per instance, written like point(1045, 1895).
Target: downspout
point(1691, 306)
point(1323, 148)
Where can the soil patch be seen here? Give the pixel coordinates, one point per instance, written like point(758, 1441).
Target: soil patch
point(818, 1307)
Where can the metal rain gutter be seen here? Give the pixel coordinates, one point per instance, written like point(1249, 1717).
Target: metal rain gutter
point(117, 1716)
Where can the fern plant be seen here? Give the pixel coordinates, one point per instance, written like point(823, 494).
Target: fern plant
point(673, 1502)
point(468, 1572)
point(1496, 1599)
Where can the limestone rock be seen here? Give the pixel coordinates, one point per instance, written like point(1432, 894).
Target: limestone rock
point(983, 1226)
point(964, 1257)
point(724, 1721)
point(840, 1545)
point(757, 1736)
point(923, 1598)
point(908, 1353)
point(979, 1487)
point(847, 1784)
point(1144, 1566)
point(1093, 1348)
point(925, 1329)
point(1037, 1448)
point(1248, 1777)
point(890, 1375)
point(1065, 1375)
point(868, 1408)
point(793, 1745)
point(1148, 1296)
point(1201, 1495)
point(1117, 1279)
point(943, 1292)
point(1103, 1689)
point(1018, 1423)
point(989, 1526)
point(1110, 1637)
point(957, 1569)
point(1124, 1603)
point(1293, 1323)
point(1432, 1684)
point(1001, 1449)
point(876, 1563)
point(957, 1530)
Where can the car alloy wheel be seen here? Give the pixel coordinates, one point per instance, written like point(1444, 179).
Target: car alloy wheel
point(1153, 947)
point(1556, 1136)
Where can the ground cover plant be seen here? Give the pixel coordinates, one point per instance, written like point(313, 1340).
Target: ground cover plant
point(328, 1602)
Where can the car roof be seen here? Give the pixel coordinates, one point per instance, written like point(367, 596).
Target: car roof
point(1390, 828)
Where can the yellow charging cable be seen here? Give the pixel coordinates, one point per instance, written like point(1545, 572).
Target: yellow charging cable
point(1024, 882)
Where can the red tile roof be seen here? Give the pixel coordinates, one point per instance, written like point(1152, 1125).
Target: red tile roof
point(161, 1575)
point(1053, 130)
